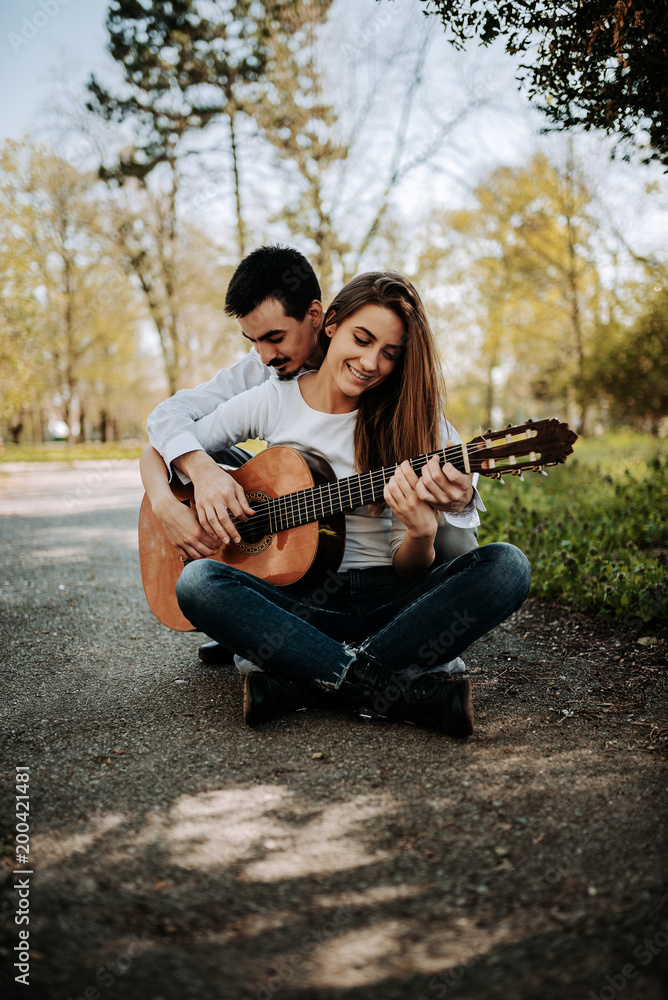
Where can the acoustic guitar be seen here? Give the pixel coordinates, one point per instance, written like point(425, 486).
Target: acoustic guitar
point(298, 528)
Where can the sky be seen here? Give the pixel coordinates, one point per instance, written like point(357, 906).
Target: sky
point(36, 37)
point(41, 40)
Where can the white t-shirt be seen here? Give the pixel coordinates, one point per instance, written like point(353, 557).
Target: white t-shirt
point(277, 413)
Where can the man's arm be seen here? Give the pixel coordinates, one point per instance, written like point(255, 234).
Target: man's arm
point(171, 425)
point(171, 430)
point(179, 520)
point(217, 495)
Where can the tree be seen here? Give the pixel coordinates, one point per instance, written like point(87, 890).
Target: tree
point(183, 71)
point(345, 156)
point(142, 225)
point(630, 368)
point(21, 349)
point(525, 261)
point(186, 66)
point(68, 307)
point(599, 64)
point(299, 123)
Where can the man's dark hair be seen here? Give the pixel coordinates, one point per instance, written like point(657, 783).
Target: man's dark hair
point(274, 272)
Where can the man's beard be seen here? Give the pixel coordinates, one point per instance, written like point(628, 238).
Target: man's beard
point(286, 376)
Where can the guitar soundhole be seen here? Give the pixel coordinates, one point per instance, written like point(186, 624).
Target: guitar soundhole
point(254, 536)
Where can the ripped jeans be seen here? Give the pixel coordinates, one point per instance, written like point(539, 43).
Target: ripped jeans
point(314, 632)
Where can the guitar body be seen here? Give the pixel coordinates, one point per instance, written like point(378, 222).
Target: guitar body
point(281, 558)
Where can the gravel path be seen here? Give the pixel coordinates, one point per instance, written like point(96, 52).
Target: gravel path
point(176, 854)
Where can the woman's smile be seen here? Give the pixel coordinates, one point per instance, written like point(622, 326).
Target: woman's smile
point(357, 374)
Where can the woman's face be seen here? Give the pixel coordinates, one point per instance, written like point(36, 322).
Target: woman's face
point(364, 348)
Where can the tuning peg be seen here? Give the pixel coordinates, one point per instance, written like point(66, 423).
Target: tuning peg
point(521, 475)
point(542, 472)
point(502, 480)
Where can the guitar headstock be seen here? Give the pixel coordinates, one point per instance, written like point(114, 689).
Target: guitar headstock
point(526, 447)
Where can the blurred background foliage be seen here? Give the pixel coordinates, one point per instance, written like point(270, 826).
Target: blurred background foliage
point(342, 129)
point(595, 530)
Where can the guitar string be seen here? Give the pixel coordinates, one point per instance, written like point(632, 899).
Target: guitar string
point(322, 496)
point(374, 480)
point(278, 505)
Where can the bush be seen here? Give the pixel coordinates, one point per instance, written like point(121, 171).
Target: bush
point(595, 531)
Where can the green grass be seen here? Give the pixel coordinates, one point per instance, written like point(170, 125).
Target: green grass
point(595, 530)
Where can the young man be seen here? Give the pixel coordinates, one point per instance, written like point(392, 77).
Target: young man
point(275, 296)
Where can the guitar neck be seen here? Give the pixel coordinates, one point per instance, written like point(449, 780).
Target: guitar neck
point(513, 450)
point(344, 495)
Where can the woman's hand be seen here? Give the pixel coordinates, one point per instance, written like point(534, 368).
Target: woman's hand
point(443, 486)
point(416, 552)
point(402, 498)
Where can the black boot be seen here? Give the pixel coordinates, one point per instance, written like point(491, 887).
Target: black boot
point(269, 695)
point(433, 701)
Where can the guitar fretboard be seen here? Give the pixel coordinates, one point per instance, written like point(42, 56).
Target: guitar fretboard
point(343, 495)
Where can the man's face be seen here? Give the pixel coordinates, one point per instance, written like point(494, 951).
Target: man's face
point(284, 343)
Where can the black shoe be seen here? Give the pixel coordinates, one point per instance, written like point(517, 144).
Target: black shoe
point(433, 701)
point(269, 695)
point(213, 654)
point(442, 702)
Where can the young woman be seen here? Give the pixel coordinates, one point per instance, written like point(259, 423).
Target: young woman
point(374, 402)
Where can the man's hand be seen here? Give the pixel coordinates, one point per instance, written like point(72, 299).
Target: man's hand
point(217, 496)
point(184, 530)
point(178, 520)
point(444, 487)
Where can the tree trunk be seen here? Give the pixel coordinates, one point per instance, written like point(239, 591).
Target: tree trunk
point(16, 431)
point(489, 395)
point(574, 294)
point(241, 229)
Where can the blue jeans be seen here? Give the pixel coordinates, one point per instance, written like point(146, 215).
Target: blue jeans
point(314, 632)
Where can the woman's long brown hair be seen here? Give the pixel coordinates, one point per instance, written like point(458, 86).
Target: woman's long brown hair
point(401, 418)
